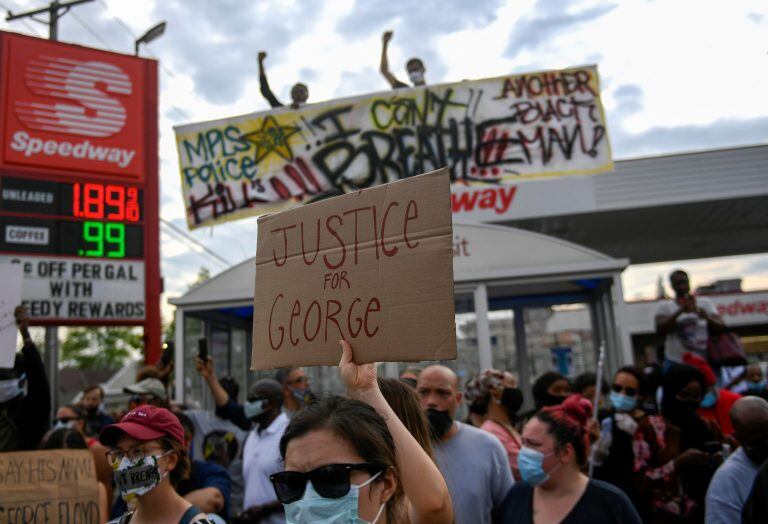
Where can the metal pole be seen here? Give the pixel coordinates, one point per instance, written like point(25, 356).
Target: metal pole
point(52, 363)
point(523, 361)
point(485, 356)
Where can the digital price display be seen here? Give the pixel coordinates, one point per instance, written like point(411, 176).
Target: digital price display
point(85, 219)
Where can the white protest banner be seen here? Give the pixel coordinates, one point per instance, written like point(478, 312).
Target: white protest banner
point(49, 486)
point(491, 131)
point(374, 267)
point(10, 297)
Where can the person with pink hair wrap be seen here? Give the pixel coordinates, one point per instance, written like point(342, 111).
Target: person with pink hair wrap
point(551, 461)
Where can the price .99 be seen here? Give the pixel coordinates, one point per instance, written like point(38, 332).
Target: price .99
point(103, 238)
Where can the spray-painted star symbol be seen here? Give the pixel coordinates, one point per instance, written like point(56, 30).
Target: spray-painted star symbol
point(272, 137)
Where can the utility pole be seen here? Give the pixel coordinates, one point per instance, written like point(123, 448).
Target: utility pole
point(55, 11)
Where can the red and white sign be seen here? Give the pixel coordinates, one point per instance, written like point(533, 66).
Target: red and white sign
point(70, 107)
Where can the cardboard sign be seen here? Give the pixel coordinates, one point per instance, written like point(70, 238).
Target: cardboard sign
point(10, 297)
point(374, 267)
point(49, 486)
point(493, 131)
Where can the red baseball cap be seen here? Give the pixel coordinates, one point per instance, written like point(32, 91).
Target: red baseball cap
point(146, 422)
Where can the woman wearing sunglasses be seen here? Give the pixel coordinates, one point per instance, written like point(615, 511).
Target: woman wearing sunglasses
point(614, 455)
point(147, 452)
point(351, 460)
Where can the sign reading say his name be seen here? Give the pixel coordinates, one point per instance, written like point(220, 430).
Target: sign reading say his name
point(374, 267)
point(49, 486)
point(490, 131)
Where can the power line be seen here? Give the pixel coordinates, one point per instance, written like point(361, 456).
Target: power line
point(90, 30)
point(193, 248)
point(194, 240)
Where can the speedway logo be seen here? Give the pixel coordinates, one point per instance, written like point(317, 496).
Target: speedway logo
point(73, 108)
point(82, 97)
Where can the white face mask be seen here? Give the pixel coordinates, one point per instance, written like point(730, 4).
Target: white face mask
point(134, 478)
point(417, 77)
point(12, 388)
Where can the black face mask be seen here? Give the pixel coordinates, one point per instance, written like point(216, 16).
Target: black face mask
point(440, 422)
point(548, 399)
point(680, 411)
point(512, 399)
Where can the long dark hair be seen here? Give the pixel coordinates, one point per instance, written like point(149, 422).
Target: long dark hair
point(404, 402)
point(694, 431)
point(360, 426)
point(64, 438)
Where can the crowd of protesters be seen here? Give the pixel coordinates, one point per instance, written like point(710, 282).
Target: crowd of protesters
point(667, 444)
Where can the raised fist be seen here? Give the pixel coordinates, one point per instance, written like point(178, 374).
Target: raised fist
point(387, 36)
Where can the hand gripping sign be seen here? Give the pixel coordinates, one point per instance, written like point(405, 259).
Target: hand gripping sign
point(373, 267)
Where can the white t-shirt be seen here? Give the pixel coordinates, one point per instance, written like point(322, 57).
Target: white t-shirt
point(690, 333)
point(261, 458)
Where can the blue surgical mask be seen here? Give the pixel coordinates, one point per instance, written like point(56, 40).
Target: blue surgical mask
point(622, 403)
point(756, 387)
point(709, 400)
point(531, 465)
point(255, 408)
point(301, 394)
point(317, 509)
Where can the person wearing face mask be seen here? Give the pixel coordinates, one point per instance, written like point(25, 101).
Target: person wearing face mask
point(299, 92)
point(498, 391)
point(732, 482)
point(755, 382)
point(613, 456)
point(207, 486)
point(554, 489)
point(25, 399)
point(73, 417)
point(414, 66)
point(550, 389)
point(676, 453)
point(473, 462)
point(716, 403)
point(147, 452)
point(95, 418)
point(296, 390)
point(352, 460)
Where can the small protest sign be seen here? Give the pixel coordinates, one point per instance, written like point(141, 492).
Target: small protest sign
point(374, 267)
point(10, 297)
point(49, 486)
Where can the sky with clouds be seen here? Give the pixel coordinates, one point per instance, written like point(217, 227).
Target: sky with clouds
point(677, 75)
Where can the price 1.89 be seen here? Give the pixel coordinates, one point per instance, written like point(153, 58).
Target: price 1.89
point(103, 239)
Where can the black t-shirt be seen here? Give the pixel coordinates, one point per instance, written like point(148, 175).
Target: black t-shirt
point(601, 503)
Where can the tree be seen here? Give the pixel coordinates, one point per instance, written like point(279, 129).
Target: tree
point(101, 347)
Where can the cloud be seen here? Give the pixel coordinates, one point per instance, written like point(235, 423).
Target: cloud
point(674, 139)
point(216, 42)
point(629, 99)
point(548, 21)
point(755, 17)
point(416, 25)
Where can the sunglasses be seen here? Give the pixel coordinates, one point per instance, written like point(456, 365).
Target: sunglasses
point(629, 391)
point(331, 481)
point(65, 420)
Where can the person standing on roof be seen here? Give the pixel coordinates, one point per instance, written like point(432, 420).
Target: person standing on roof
point(414, 66)
point(299, 91)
